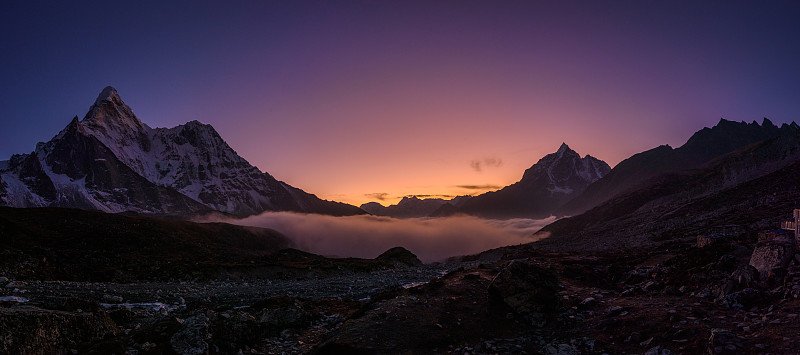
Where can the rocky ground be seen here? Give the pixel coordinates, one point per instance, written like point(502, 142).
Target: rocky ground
point(731, 297)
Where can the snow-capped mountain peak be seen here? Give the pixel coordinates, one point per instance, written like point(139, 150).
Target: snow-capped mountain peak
point(110, 115)
point(552, 181)
point(108, 94)
point(565, 167)
point(113, 162)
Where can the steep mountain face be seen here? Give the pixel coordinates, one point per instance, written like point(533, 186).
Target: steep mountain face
point(76, 170)
point(190, 161)
point(548, 184)
point(411, 207)
point(703, 147)
point(755, 187)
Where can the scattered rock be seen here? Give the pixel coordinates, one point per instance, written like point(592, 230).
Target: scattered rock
point(704, 293)
point(723, 341)
point(589, 302)
point(282, 313)
point(112, 298)
point(746, 298)
point(192, 338)
point(240, 328)
point(658, 350)
point(526, 288)
point(15, 284)
point(744, 276)
point(560, 349)
point(12, 300)
point(633, 291)
point(726, 263)
point(159, 331)
point(614, 310)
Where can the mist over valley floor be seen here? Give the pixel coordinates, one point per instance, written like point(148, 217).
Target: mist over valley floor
point(431, 239)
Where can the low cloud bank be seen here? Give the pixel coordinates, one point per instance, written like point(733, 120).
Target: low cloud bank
point(431, 239)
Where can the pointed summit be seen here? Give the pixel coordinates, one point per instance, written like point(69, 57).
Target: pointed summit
point(563, 147)
point(110, 114)
point(108, 94)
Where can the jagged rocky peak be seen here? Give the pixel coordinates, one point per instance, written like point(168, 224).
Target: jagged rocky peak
point(408, 200)
point(110, 114)
point(729, 135)
point(108, 94)
point(113, 162)
point(565, 165)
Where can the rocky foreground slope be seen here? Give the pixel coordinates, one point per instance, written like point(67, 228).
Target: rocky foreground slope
point(731, 296)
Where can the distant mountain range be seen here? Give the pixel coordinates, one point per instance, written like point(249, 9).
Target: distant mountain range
point(564, 184)
point(544, 187)
point(412, 206)
point(703, 147)
point(734, 173)
point(113, 162)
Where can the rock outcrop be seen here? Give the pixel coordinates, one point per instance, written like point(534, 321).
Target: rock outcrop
point(31, 330)
point(400, 255)
point(772, 257)
point(526, 288)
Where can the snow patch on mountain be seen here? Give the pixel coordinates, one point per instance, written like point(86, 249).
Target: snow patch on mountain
point(560, 190)
point(71, 191)
point(18, 194)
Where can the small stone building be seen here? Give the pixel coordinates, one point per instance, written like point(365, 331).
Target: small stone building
point(793, 225)
point(719, 233)
point(775, 249)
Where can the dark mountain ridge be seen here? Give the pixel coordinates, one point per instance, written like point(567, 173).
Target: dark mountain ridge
point(754, 186)
point(553, 180)
point(704, 146)
point(412, 206)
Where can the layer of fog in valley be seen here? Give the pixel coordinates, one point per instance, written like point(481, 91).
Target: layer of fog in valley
point(431, 239)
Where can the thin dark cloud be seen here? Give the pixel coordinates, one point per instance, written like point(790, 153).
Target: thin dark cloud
point(380, 196)
point(476, 165)
point(431, 239)
point(479, 164)
point(479, 187)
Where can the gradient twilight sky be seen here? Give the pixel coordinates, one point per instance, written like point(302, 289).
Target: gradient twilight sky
point(356, 100)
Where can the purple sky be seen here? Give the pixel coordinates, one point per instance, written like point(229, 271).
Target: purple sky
point(350, 100)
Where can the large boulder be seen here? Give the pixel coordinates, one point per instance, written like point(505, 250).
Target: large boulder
point(526, 288)
point(723, 341)
point(193, 337)
point(745, 276)
point(30, 330)
point(400, 255)
point(746, 298)
point(771, 257)
point(276, 314)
